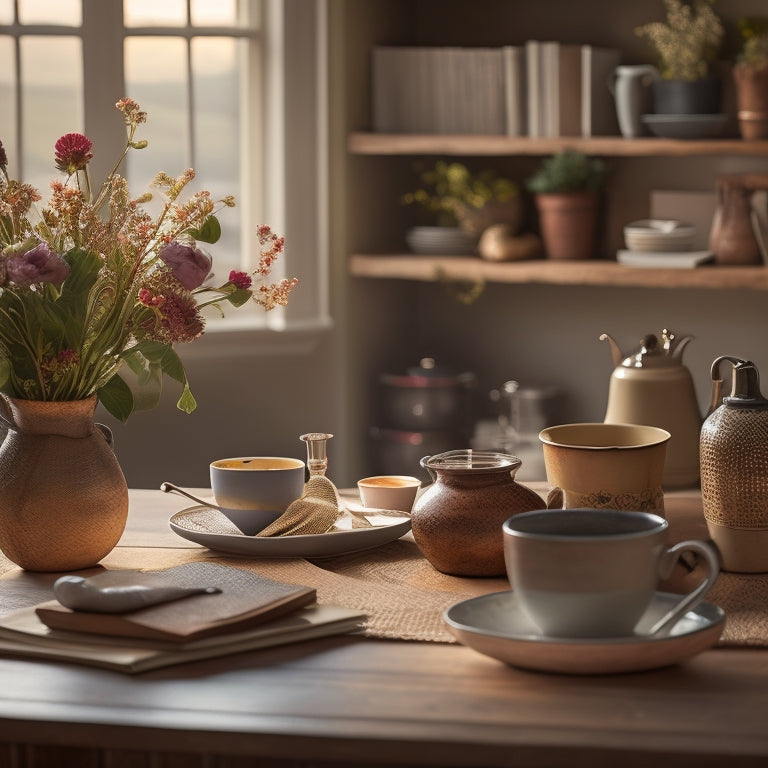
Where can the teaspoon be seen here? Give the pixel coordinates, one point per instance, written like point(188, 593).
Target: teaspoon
point(171, 488)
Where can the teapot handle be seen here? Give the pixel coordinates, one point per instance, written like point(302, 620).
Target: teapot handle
point(717, 381)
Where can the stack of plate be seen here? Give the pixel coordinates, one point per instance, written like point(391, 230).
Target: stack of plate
point(659, 235)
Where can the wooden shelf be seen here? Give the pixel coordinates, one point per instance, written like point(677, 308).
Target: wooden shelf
point(583, 273)
point(359, 143)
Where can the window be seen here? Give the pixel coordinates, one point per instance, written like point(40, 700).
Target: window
point(212, 76)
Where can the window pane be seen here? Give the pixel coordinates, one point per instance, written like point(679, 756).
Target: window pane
point(217, 121)
point(67, 12)
point(7, 99)
point(52, 84)
point(6, 11)
point(156, 77)
point(151, 13)
point(213, 13)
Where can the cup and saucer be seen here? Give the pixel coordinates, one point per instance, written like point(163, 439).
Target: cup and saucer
point(496, 626)
point(585, 597)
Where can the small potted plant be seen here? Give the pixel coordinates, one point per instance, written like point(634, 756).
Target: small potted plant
point(687, 45)
point(463, 204)
point(750, 74)
point(566, 189)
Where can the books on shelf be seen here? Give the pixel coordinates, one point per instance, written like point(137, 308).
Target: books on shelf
point(539, 88)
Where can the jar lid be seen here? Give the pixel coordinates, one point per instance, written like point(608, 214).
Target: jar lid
point(470, 459)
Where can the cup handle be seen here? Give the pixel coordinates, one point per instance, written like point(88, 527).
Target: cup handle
point(555, 498)
point(693, 598)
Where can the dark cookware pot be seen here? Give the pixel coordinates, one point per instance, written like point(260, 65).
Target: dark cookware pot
point(427, 398)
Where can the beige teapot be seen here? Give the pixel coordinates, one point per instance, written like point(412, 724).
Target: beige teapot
point(651, 386)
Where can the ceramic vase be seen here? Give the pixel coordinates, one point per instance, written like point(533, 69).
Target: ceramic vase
point(63, 496)
point(457, 521)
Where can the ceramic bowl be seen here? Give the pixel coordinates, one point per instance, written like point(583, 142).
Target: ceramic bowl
point(657, 235)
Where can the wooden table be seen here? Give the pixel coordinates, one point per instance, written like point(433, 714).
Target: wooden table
point(355, 701)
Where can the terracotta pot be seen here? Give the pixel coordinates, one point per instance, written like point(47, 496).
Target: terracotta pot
point(63, 496)
point(752, 101)
point(568, 223)
point(457, 521)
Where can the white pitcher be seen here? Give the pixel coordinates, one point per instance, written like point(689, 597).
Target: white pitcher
point(632, 90)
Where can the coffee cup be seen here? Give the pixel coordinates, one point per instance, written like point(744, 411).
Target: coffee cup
point(396, 492)
point(611, 466)
point(253, 491)
point(594, 572)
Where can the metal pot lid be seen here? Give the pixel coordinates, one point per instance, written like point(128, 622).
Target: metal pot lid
point(428, 374)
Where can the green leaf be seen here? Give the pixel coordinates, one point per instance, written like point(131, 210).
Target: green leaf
point(210, 232)
point(187, 402)
point(5, 374)
point(239, 297)
point(117, 398)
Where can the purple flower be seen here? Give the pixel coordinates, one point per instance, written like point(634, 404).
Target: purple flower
point(190, 266)
point(38, 265)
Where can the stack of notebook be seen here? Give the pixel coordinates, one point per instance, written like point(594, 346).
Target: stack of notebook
point(247, 612)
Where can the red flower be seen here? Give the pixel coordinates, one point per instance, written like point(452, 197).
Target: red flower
point(240, 280)
point(73, 151)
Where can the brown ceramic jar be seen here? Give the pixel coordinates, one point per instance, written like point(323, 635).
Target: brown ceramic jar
point(457, 521)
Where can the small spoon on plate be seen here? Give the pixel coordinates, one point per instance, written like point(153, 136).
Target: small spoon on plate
point(171, 488)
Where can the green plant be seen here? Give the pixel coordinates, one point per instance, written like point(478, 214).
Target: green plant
point(448, 189)
point(94, 289)
point(688, 42)
point(568, 171)
point(754, 36)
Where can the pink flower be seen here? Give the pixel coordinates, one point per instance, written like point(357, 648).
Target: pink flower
point(73, 151)
point(38, 265)
point(190, 266)
point(240, 280)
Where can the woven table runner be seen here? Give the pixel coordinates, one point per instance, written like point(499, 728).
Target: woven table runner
point(403, 596)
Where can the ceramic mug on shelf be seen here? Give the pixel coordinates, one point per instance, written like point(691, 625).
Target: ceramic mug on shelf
point(610, 466)
point(595, 572)
point(253, 491)
point(396, 492)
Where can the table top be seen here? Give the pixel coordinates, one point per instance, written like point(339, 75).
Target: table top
point(383, 702)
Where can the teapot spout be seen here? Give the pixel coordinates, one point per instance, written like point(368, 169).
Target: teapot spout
point(615, 351)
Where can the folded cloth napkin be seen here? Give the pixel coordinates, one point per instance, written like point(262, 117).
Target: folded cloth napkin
point(316, 511)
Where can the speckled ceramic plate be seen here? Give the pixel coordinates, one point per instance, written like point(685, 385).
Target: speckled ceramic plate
point(496, 626)
point(210, 528)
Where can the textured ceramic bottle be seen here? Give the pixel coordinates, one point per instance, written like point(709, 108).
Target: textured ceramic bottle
point(457, 521)
point(734, 469)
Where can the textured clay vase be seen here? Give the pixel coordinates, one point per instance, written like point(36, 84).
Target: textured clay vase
point(63, 496)
point(457, 521)
point(734, 468)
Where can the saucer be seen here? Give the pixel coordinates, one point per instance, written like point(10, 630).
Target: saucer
point(212, 529)
point(496, 626)
point(686, 126)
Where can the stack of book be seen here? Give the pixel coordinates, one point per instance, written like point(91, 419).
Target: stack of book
point(249, 612)
point(535, 89)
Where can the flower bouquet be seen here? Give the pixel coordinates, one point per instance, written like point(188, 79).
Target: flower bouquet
point(95, 292)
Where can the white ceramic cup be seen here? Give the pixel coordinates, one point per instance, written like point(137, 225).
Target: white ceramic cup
point(396, 492)
point(253, 491)
point(594, 572)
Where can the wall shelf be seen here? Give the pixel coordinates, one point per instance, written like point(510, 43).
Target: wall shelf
point(360, 143)
point(542, 271)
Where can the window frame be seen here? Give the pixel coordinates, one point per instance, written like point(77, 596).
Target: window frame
point(291, 132)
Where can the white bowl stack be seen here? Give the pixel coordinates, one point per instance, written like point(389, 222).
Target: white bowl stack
point(659, 236)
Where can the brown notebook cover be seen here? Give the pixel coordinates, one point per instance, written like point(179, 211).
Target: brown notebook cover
point(246, 600)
